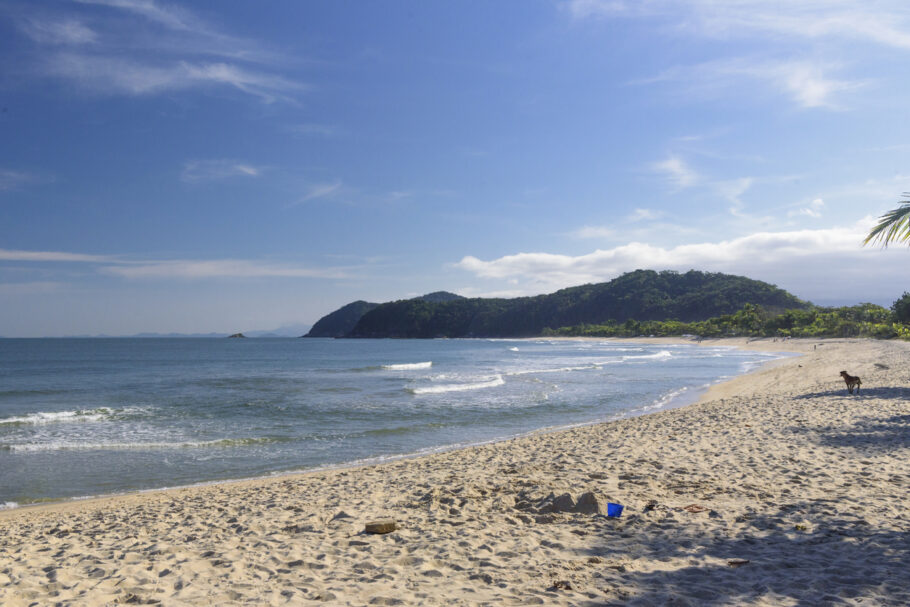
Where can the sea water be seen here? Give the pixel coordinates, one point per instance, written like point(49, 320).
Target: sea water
point(85, 417)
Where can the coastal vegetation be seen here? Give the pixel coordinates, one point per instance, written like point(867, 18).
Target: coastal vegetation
point(863, 320)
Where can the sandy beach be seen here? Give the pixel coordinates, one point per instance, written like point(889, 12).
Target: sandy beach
point(776, 488)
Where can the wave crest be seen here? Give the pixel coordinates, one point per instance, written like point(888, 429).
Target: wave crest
point(443, 388)
point(79, 415)
point(76, 446)
point(407, 366)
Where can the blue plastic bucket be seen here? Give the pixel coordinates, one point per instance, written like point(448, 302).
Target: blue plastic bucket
point(614, 509)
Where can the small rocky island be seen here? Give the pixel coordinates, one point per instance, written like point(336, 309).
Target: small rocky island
point(236, 335)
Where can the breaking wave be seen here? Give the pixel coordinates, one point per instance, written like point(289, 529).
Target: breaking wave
point(662, 355)
point(443, 388)
point(77, 446)
point(80, 415)
point(407, 366)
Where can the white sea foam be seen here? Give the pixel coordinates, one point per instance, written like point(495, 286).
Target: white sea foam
point(8, 505)
point(442, 388)
point(513, 349)
point(49, 417)
point(557, 370)
point(662, 355)
point(408, 366)
point(115, 446)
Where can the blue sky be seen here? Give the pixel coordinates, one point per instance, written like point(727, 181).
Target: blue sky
point(196, 167)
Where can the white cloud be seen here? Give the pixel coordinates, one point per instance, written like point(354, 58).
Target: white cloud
point(218, 268)
point(760, 250)
point(11, 180)
point(175, 268)
point(141, 47)
point(886, 22)
point(676, 171)
point(319, 190)
point(813, 209)
point(645, 215)
point(64, 31)
point(217, 169)
point(806, 82)
point(171, 16)
point(116, 75)
point(51, 256)
point(732, 190)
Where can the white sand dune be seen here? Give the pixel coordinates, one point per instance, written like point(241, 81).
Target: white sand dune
point(802, 495)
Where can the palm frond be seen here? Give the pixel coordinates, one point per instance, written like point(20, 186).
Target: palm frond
point(893, 226)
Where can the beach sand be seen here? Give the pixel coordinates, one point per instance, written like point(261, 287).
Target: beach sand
point(798, 494)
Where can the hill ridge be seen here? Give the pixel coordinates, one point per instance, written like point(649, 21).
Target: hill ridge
point(640, 295)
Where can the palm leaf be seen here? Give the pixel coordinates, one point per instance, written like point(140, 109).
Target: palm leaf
point(893, 226)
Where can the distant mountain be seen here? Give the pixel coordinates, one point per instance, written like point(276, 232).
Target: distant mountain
point(640, 295)
point(172, 335)
point(288, 330)
point(340, 322)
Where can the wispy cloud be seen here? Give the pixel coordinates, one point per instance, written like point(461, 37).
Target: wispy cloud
point(115, 75)
point(813, 209)
point(676, 171)
point(813, 29)
point(172, 17)
point(885, 23)
point(766, 249)
point(51, 256)
point(141, 47)
point(320, 190)
point(58, 31)
point(217, 169)
point(645, 215)
point(11, 180)
point(176, 268)
point(732, 190)
point(218, 268)
point(807, 82)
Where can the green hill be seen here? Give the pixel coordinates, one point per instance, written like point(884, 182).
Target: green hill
point(340, 322)
point(641, 295)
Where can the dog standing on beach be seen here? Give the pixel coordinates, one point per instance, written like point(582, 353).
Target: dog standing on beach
point(851, 381)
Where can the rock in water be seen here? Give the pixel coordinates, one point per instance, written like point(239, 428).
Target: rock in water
point(385, 525)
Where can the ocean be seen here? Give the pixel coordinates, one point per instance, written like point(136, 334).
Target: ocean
point(88, 417)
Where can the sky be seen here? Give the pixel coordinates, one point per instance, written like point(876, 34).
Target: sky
point(173, 166)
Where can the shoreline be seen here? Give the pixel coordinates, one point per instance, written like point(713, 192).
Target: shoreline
point(774, 488)
point(751, 343)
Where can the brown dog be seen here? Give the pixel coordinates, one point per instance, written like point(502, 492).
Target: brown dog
point(851, 381)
